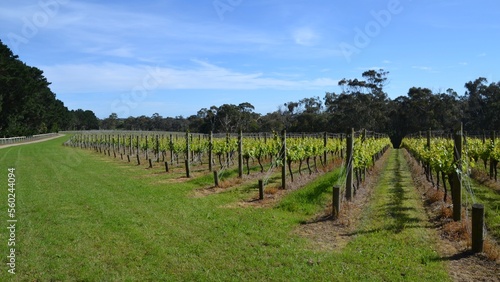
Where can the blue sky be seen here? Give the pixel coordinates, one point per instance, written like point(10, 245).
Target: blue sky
point(175, 57)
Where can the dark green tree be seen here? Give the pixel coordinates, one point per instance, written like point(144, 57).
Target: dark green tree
point(361, 104)
point(27, 105)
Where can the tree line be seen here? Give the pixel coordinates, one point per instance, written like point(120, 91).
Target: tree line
point(361, 103)
point(28, 106)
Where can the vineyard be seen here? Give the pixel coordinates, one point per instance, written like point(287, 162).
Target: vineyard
point(216, 207)
point(293, 153)
point(271, 157)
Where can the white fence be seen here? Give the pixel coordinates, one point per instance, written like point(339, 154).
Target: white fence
point(19, 139)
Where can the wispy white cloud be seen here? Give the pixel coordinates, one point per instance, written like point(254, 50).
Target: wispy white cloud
point(305, 36)
point(111, 32)
point(116, 30)
point(110, 77)
point(123, 51)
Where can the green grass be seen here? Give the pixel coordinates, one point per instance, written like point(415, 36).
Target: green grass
point(491, 201)
point(395, 241)
point(82, 216)
point(311, 198)
point(488, 197)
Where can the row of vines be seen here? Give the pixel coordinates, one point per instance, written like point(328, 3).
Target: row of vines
point(452, 161)
point(438, 154)
point(219, 152)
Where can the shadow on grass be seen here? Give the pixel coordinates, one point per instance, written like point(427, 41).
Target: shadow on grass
point(396, 208)
point(456, 257)
point(395, 213)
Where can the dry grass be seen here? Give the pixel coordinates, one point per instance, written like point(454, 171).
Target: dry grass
point(446, 211)
point(457, 231)
point(224, 184)
point(270, 190)
point(434, 196)
point(491, 250)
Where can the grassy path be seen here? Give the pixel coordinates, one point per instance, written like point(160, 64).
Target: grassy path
point(82, 216)
point(396, 228)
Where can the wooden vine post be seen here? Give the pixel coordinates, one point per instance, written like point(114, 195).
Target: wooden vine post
point(130, 147)
point(147, 147)
point(283, 158)
point(124, 141)
point(170, 145)
point(336, 202)
point(240, 154)
point(210, 151)
point(108, 145)
point(188, 172)
point(104, 144)
point(325, 143)
point(138, 157)
point(119, 147)
point(261, 189)
point(456, 189)
point(477, 228)
point(349, 164)
point(112, 145)
point(216, 178)
point(157, 149)
point(428, 165)
point(164, 151)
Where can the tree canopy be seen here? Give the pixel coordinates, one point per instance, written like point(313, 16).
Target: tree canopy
point(28, 106)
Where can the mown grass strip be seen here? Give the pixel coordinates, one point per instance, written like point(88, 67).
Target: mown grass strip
point(394, 241)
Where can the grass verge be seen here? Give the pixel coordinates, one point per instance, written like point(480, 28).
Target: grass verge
point(491, 200)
